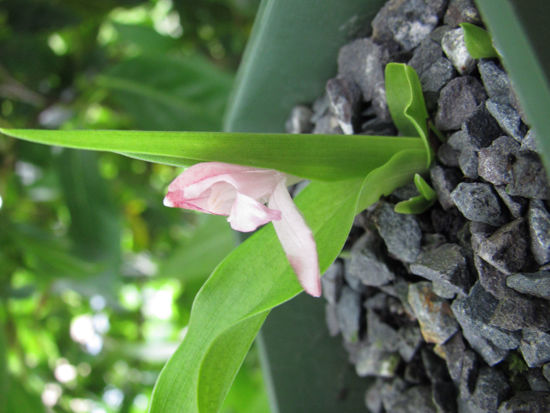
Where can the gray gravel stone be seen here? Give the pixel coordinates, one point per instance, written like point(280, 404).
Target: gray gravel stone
point(478, 202)
point(507, 118)
point(331, 318)
point(453, 352)
point(454, 47)
point(506, 249)
point(368, 263)
point(349, 312)
point(328, 124)
point(373, 397)
point(444, 180)
point(469, 373)
point(539, 229)
point(535, 348)
point(381, 334)
point(407, 22)
point(536, 380)
point(434, 315)
point(443, 290)
point(410, 340)
point(516, 312)
point(529, 142)
point(425, 55)
point(468, 163)
point(299, 120)
point(391, 392)
point(474, 314)
point(401, 233)
point(496, 82)
point(446, 265)
point(413, 400)
point(444, 397)
point(374, 361)
point(482, 127)
point(536, 284)
point(363, 61)
point(491, 389)
point(433, 80)
point(516, 205)
point(546, 371)
point(447, 155)
point(529, 177)
point(343, 96)
point(459, 11)
point(528, 402)
point(495, 161)
point(491, 279)
point(461, 141)
point(458, 100)
point(333, 281)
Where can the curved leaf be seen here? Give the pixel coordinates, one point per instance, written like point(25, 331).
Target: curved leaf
point(320, 157)
point(478, 41)
point(420, 203)
point(406, 103)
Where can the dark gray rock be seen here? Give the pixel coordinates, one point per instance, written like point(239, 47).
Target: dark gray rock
point(333, 281)
point(349, 312)
point(468, 376)
point(299, 120)
point(434, 366)
point(479, 231)
point(368, 263)
point(468, 163)
point(363, 61)
point(536, 380)
point(447, 223)
point(447, 155)
point(405, 192)
point(460, 11)
point(529, 142)
point(516, 205)
point(381, 334)
point(535, 348)
point(446, 265)
point(444, 397)
point(458, 100)
point(331, 318)
point(491, 389)
point(373, 397)
point(444, 180)
point(517, 311)
point(401, 233)
point(454, 47)
point(407, 22)
point(529, 177)
point(413, 400)
point(482, 127)
point(391, 392)
point(453, 352)
point(343, 96)
point(507, 118)
point(433, 80)
point(528, 402)
point(539, 229)
point(496, 82)
point(374, 361)
point(461, 141)
point(378, 301)
point(507, 248)
point(328, 124)
point(491, 279)
point(320, 108)
point(433, 313)
point(474, 314)
point(410, 339)
point(443, 290)
point(478, 202)
point(536, 284)
point(425, 55)
point(495, 161)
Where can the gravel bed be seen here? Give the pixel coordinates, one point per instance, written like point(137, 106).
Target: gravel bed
point(448, 310)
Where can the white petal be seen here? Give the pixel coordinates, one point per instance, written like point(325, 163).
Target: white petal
point(248, 214)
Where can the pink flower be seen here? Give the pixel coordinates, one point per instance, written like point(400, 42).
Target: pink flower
point(240, 193)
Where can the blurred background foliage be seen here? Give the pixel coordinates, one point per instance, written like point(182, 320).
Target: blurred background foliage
point(96, 276)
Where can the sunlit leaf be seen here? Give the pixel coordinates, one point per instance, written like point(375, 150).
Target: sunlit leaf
point(420, 203)
point(478, 41)
point(321, 157)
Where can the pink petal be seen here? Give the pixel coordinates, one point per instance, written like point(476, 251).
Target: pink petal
point(248, 214)
point(297, 240)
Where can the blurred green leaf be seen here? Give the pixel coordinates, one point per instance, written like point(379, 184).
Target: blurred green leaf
point(169, 93)
point(478, 41)
point(197, 256)
point(20, 399)
point(323, 157)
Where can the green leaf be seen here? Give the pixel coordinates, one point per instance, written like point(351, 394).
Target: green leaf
point(420, 203)
point(321, 157)
point(406, 103)
point(478, 41)
point(197, 256)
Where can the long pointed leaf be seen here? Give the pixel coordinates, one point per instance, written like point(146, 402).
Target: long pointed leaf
point(321, 157)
